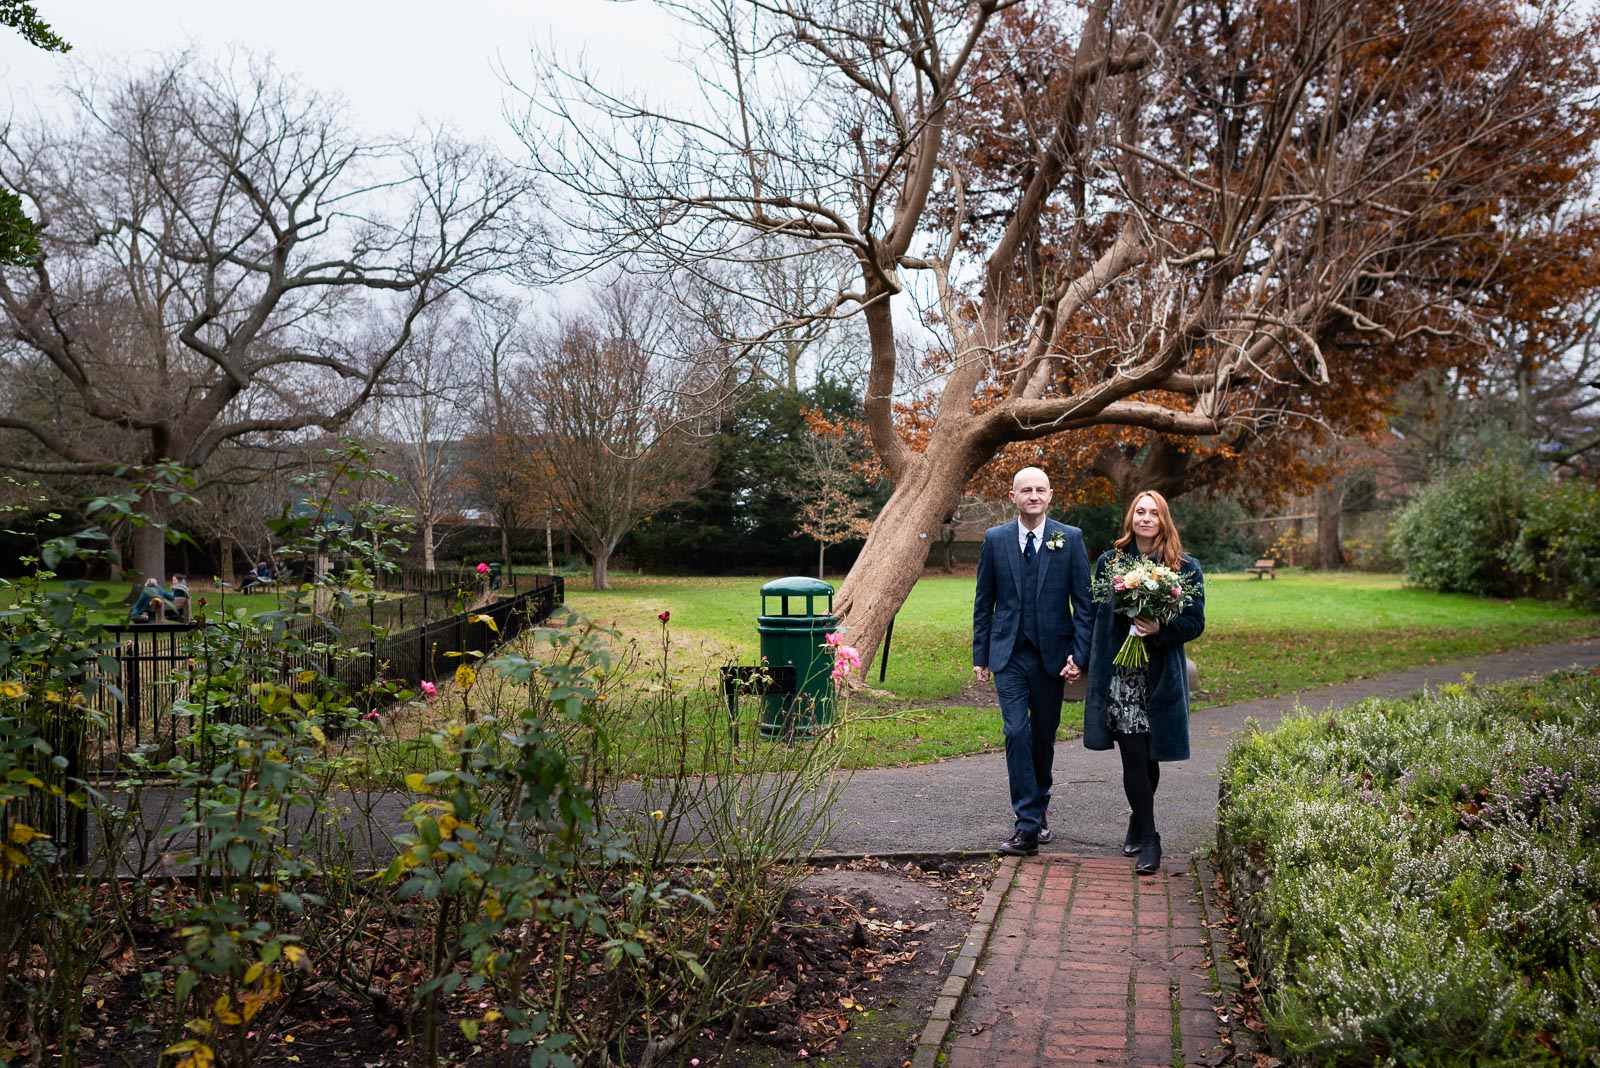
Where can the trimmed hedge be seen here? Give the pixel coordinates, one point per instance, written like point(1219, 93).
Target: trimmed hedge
point(1420, 881)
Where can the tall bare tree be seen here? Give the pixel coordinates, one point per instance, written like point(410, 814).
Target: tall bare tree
point(211, 232)
point(424, 414)
point(1109, 212)
point(500, 473)
point(617, 426)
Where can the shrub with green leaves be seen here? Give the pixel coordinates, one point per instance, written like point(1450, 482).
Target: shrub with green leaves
point(1420, 881)
point(1459, 534)
point(1558, 547)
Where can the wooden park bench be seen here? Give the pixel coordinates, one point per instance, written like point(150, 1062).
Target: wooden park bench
point(1264, 569)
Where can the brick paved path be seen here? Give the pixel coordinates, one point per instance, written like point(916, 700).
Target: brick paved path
point(1089, 964)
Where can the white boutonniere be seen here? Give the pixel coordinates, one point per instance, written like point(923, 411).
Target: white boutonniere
point(1056, 540)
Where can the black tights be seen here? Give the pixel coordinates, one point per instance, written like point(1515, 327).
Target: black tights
point(1140, 777)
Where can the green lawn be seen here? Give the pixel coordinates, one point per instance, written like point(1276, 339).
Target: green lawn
point(1263, 637)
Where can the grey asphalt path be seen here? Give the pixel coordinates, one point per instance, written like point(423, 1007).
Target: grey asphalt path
point(963, 804)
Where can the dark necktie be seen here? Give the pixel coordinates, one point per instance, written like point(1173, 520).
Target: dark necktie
point(1027, 552)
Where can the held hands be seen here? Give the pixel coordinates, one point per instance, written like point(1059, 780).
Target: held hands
point(1072, 672)
point(1144, 627)
point(982, 673)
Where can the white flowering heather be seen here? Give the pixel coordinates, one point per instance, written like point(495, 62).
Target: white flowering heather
point(1432, 890)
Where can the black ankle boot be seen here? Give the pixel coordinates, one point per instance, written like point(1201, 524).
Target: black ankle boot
point(1149, 861)
point(1130, 841)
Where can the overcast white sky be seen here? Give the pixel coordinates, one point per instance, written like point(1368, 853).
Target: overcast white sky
point(394, 60)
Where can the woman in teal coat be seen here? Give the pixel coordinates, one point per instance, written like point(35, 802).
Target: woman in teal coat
point(1143, 711)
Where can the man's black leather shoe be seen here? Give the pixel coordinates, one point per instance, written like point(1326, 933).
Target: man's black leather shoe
point(1149, 861)
point(1044, 830)
point(1020, 844)
point(1130, 841)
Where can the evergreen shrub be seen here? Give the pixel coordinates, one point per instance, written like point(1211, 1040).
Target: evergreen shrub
point(1459, 534)
point(1558, 548)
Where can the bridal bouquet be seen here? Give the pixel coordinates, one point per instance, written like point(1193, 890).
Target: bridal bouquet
point(1134, 586)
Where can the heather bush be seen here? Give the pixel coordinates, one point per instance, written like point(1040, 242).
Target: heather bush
point(1421, 880)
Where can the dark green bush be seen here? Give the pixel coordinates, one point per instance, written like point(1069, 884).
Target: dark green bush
point(1459, 534)
point(1558, 549)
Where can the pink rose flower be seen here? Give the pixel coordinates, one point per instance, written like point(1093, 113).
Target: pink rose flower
point(664, 616)
point(483, 569)
point(429, 688)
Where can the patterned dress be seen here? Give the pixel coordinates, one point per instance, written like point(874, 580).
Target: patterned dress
point(1130, 693)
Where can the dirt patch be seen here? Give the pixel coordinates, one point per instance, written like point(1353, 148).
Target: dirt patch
point(861, 953)
point(858, 955)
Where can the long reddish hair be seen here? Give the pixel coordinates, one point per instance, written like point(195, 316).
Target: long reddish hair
point(1169, 549)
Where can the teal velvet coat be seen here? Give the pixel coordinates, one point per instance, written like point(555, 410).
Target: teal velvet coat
point(1169, 677)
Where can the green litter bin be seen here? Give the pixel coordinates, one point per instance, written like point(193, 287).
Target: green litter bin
point(797, 634)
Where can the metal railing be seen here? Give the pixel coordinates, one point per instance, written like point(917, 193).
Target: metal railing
point(402, 640)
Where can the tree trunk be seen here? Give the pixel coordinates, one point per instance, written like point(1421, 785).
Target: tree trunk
point(114, 559)
point(1330, 500)
point(150, 539)
point(602, 561)
point(549, 548)
point(428, 560)
point(225, 551)
point(822, 549)
point(891, 561)
point(505, 548)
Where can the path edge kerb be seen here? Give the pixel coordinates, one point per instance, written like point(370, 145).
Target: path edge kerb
point(963, 967)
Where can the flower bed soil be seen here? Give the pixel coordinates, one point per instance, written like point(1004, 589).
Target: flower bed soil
point(859, 953)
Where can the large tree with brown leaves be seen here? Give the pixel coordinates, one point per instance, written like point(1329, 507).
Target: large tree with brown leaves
point(1151, 214)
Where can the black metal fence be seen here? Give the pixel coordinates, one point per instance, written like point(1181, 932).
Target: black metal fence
point(158, 665)
point(421, 653)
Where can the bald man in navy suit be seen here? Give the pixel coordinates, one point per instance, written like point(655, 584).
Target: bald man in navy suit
point(1030, 632)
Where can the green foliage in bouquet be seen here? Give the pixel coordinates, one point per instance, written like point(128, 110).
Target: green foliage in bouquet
point(1136, 587)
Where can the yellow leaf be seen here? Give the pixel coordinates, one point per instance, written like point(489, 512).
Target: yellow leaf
point(316, 732)
point(465, 677)
point(254, 972)
point(295, 956)
point(306, 676)
point(487, 621)
point(223, 1011)
point(200, 1058)
point(12, 689)
point(22, 834)
point(415, 784)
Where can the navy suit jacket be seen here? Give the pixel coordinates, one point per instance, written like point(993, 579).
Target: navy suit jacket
point(1061, 577)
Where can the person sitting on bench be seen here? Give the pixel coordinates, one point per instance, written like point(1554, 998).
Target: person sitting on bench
point(178, 596)
point(260, 575)
point(151, 605)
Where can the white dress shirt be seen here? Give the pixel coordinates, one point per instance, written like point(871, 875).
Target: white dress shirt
point(1038, 536)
